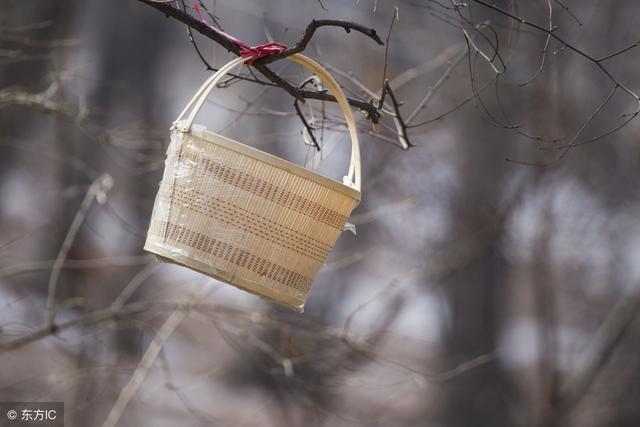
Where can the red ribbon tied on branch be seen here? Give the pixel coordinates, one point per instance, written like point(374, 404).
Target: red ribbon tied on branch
point(246, 50)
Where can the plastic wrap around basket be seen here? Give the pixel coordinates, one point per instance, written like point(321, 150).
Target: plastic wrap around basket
point(245, 217)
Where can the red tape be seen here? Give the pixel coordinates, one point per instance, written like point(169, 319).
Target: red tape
point(246, 50)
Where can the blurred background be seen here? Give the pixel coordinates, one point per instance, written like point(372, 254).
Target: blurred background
point(494, 277)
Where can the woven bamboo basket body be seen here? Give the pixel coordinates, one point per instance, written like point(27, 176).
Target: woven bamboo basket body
point(246, 217)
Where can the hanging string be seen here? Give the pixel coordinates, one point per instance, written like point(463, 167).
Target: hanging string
point(246, 50)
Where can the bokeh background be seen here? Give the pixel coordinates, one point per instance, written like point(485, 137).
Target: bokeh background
point(493, 281)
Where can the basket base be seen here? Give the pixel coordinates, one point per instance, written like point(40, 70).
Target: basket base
point(169, 256)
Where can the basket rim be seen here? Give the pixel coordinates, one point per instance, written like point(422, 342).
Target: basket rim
point(233, 145)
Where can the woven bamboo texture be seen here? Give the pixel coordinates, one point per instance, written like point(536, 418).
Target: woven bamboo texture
point(245, 217)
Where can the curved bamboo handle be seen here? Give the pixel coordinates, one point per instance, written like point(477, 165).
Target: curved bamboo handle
point(353, 178)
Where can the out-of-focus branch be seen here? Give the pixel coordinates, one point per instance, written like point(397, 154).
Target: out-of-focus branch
point(13, 96)
point(606, 341)
point(97, 191)
point(150, 355)
point(112, 313)
point(76, 264)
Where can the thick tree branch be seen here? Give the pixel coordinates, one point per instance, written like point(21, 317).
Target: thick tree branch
point(310, 31)
point(192, 22)
point(372, 112)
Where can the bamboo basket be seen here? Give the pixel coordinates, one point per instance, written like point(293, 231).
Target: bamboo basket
point(245, 217)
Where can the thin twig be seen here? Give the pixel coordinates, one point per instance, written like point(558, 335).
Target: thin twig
point(346, 330)
point(394, 18)
point(401, 126)
point(443, 78)
point(307, 126)
point(597, 62)
point(589, 119)
point(544, 50)
point(566, 8)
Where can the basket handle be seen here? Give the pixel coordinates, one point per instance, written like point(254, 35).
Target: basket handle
point(353, 178)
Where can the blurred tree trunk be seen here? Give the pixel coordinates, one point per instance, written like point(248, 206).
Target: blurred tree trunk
point(475, 289)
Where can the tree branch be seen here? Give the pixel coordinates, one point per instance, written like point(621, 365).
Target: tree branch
point(372, 112)
point(310, 31)
point(401, 126)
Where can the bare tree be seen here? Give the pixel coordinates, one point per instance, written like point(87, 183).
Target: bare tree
point(492, 279)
